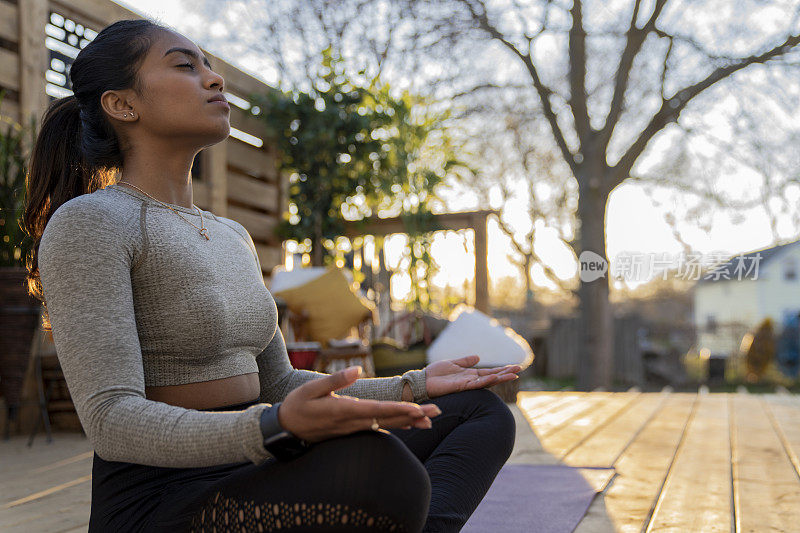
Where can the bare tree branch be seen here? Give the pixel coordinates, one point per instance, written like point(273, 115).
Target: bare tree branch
point(544, 92)
point(671, 108)
point(635, 39)
point(577, 74)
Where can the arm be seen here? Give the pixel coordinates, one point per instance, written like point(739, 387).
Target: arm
point(278, 378)
point(86, 254)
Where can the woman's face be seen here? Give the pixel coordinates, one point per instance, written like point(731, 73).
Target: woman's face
point(176, 87)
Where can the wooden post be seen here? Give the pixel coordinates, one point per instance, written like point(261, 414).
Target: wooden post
point(33, 59)
point(481, 264)
point(216, 172)
point(217, 176)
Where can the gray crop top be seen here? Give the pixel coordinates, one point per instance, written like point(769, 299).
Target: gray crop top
point(137, 297)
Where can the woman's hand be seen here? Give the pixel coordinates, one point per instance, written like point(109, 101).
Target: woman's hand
point(313, 412)
point(454, 375)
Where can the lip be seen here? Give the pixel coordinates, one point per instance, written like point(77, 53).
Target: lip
point(220, 102)
point(219, 99)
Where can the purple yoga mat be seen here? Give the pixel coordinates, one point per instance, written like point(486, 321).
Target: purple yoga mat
point(528, 498)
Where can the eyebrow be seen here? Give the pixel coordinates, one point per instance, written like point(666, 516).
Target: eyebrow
point(188, 52)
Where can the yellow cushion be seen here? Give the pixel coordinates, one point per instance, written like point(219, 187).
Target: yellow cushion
point(333, 307)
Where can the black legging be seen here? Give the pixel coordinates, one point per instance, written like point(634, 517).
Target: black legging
point(410, 480)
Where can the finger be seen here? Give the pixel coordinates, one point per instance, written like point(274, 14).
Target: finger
point(498, 370)
point(338, 380)
point(359, 408)
point(405, 423)
point(467, 361)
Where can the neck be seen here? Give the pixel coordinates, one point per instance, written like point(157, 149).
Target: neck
point(159, 196)
point(162, 171)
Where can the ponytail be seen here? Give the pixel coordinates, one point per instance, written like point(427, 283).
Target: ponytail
point(77, 150)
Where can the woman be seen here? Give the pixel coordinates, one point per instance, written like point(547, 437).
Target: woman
point(169, 343)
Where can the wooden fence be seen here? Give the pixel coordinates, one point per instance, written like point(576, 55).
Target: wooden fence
point(563, 348)
point(237, 178)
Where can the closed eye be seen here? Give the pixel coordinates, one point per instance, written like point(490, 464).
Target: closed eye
point(187, 65)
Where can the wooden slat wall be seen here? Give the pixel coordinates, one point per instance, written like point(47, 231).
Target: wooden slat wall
point(9, 69)
point(9, 109)
point(240, 181)
point(9, 26)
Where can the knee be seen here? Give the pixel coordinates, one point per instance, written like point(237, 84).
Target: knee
point(391, 457)
point(386, 458)
point(504, 426)
point(397, 483)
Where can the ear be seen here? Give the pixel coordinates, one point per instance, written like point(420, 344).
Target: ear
point(117, 104)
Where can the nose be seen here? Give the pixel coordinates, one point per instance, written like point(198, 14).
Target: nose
point(215, 80)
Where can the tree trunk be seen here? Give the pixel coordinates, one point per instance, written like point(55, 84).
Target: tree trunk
point(596, 358)
point(529, 296)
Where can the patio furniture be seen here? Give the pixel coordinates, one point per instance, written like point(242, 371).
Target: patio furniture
point(332, 358)
point(321, 305)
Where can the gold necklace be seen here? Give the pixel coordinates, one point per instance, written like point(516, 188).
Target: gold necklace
point(203, 230)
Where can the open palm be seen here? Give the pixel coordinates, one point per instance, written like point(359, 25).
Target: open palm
point(455, 375)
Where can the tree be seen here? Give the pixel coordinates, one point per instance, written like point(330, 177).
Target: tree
point(355, 150)
point(601, 122)
point(326, 139)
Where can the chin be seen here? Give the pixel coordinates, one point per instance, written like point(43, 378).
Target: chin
point(219, 134)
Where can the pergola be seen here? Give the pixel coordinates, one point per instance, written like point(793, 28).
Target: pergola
point(474, 220)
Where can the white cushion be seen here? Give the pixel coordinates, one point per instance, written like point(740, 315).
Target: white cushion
point(474, 333)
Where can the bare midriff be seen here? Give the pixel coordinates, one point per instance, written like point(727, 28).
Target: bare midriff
point(208, 394)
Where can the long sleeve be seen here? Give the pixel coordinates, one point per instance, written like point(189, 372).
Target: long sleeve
point(86, 255)
point(278, 378)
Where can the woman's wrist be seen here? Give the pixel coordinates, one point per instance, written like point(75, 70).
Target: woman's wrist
point(407, 396)
point(417, 382)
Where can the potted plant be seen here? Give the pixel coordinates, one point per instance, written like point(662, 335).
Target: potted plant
point(19, 312)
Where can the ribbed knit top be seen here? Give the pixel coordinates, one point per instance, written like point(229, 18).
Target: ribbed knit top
point(138, 297)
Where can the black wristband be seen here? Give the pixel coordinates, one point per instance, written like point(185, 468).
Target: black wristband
point(269, 421)
point(281, 443)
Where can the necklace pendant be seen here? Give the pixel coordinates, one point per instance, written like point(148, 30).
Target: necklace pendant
point(204, 233)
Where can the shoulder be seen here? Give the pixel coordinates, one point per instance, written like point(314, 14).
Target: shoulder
point(237, 227)
point(99, 207)
point(243, 233)
point(97, 219)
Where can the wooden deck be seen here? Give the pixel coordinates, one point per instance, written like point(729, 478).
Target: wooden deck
point(682, 462)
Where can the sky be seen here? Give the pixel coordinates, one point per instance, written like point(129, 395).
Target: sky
point(634, 226)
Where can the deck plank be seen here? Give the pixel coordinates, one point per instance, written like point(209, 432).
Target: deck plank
point(704, 455)
point(18, 458)
point(536, 403)
point(785, 411)
point(766, 486)
point(562, 440)
point(59, 511)
point(604, 447)
point(571, 405)
point(23, 487)
point(643, 466)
